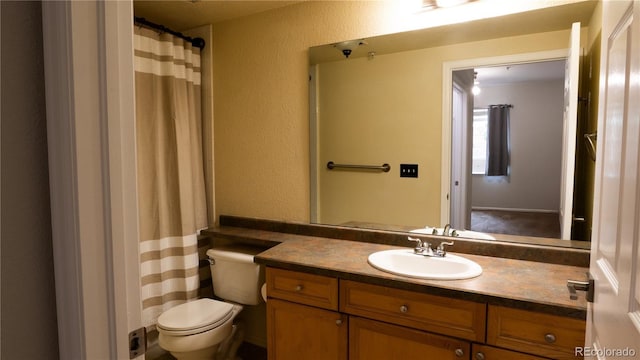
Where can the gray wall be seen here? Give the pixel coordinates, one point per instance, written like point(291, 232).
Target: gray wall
point(536, 147)
point(28, 319)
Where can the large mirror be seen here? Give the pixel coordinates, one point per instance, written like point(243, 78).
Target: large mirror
point(391, 100)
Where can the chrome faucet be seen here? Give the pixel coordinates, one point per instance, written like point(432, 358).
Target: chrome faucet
point(448, 231)
point(445, 231)
point(424, 248)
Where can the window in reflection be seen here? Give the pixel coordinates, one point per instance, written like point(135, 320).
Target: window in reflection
point(479, 152)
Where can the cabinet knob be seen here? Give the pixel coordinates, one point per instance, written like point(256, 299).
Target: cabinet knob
point(550, 338)
point(298, 287)
point(404, 308)
point(480, 356)
point(459, 352)
point(339, 322)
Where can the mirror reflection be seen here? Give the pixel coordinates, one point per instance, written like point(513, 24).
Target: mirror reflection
point(513, 186)
point(384, 104)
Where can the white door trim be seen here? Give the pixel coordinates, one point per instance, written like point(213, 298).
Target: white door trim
point(569, 130)
point(91, 138)
point(458, 160)
point(448, 67)
point(314, 163)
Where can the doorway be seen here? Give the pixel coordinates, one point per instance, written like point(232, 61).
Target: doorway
point(539, 216)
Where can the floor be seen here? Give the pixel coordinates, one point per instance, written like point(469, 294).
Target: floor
point(516, 223)
point(247, 351)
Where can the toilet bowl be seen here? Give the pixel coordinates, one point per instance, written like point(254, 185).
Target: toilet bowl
point(196, 329)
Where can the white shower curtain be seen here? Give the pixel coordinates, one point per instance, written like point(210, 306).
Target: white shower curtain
point(172, 202)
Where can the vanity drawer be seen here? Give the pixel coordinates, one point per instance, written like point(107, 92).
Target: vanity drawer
point(536, 333)
point(459, 318)
point(484, 352)
point(303, 288)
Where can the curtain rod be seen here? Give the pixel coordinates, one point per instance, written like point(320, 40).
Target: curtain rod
point(197, 42)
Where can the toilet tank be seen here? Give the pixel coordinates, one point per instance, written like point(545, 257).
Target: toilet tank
point(234, 275)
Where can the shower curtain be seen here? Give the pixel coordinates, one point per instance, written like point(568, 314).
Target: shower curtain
point(172, 202)
point(498, 143)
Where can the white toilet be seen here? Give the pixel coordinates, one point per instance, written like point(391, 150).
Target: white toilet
point(197, 329)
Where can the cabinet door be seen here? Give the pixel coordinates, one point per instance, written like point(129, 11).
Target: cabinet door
point(297, 332)
point(369, 339)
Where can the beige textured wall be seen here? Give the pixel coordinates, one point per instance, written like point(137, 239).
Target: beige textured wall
point(261, 98)
point(261, 103)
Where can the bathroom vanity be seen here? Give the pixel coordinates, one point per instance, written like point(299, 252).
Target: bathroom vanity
point(326, 302)
point(307, 316)
point(346, 311)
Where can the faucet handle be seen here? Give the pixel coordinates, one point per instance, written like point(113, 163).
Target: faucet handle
point(419, 247)
point(441, 247)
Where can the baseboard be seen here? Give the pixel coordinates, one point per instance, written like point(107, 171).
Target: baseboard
point(480, 208)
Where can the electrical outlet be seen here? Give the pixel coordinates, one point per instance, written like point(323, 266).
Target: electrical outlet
point(409, 170)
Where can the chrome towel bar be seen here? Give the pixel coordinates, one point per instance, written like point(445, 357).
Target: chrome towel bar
point(384, 167)
point(591, 139)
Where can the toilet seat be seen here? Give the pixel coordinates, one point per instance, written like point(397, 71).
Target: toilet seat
point(194, 317)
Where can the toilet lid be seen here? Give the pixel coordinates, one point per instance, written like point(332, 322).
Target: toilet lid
point(195, 316)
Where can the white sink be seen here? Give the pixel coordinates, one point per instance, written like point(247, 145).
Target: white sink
point(405, 262)
point(461, 233)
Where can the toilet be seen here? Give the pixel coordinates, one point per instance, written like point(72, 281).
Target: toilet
point(204, 328)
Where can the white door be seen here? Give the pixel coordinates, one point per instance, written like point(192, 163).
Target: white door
point(613, 320)
point(570, 121)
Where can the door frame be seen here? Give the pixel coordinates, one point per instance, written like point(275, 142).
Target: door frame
point(448, 67)
point(88, 55)
point(459, 160)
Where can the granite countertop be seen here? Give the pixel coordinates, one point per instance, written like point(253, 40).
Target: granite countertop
point(522, 284)
point(514, 275)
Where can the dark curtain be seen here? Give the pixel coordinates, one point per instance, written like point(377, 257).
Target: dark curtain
point(498, 144)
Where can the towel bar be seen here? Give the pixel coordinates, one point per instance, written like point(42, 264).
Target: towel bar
point(590, 139)
point(384, 167)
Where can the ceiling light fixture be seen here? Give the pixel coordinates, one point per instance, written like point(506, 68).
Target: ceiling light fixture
point(428, 5)
point(475, 90)
point(436, 4)
point(450, 3)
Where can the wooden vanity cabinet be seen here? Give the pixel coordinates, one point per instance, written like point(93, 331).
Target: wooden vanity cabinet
point(319, 317)
point(302, 317)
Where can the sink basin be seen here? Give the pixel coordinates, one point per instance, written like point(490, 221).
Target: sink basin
point(461, 233)
point(405, 262)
